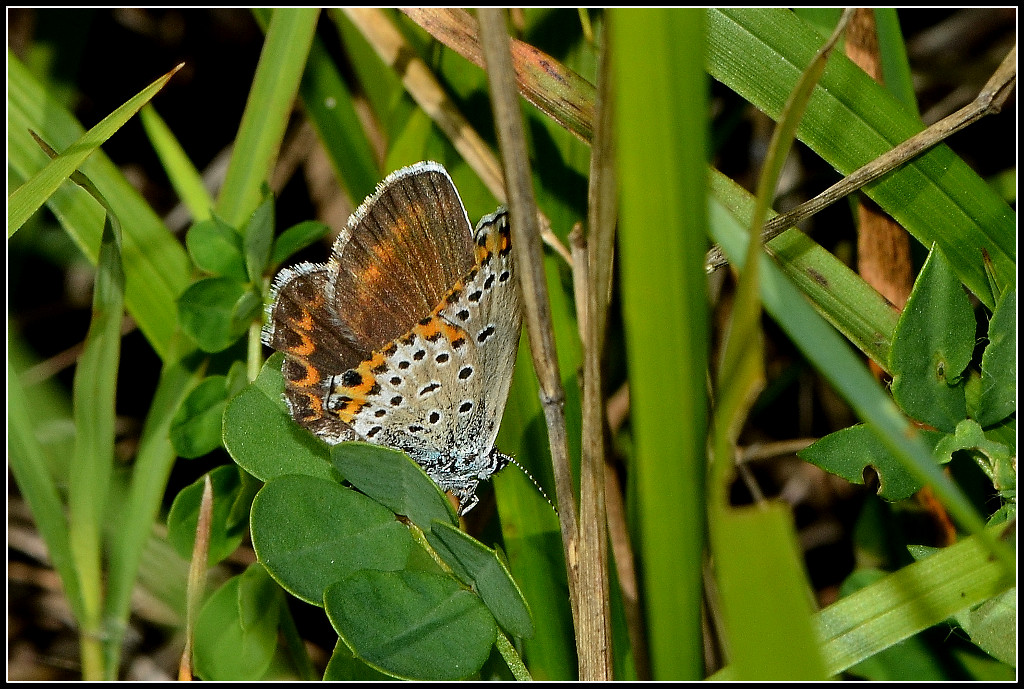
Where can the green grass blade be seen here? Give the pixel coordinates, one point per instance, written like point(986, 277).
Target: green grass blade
point(271, 98)
point(184, 176)
point(28, 198)
point(767, 618)
point(93, 460)
point(836, 292)
point(152, 468)
point(893, 51)
point(156, 266)
point(662, 131)
point(906, 602)
point(765, 596)
point(330, 107)
point(27, 461)
point(759, 53)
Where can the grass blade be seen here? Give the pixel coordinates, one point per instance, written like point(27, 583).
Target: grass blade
point(661, 135)
point(155, 264)
point(93, 458)
point(850, 121)
point(27, 199)
point(184, 176)
point(330, 107)
point(27, 460)
point(274, 86)
point(916, 597)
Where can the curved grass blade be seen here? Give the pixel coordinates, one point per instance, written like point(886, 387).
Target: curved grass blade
point(156, 266)
point(27, 199)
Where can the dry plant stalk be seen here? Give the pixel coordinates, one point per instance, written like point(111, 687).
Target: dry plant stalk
point(537, 311)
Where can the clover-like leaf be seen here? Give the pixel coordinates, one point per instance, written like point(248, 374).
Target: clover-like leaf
point(261, 436)
point(932, 346)
point(216, 312)
point(848, 452)
point(996, 398)
point(295, 238)
point(310, 532)
point(394, 480)
point(226, 532)
point(216, 248)
point(225, 647)
point(480, 566)
point(414, 625)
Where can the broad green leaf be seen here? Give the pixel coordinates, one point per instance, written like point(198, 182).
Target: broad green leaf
point(998, 461)
point(295, 238)
point(412, 625)
point(932, 346)
point(394, 480)
point(196, 428)
point(311, 532)
point(848, 452)
point(216, 248)
point(225, 534)
point(258, 595)
point(483, 569)
point(227, 650)
point(216, 312)
point(261, 436)
point(27, 199)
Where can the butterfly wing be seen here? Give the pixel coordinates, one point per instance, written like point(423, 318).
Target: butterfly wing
point(402, 251)
point(438, 392)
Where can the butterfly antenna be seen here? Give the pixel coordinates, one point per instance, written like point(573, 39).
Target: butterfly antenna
point(528, 475)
